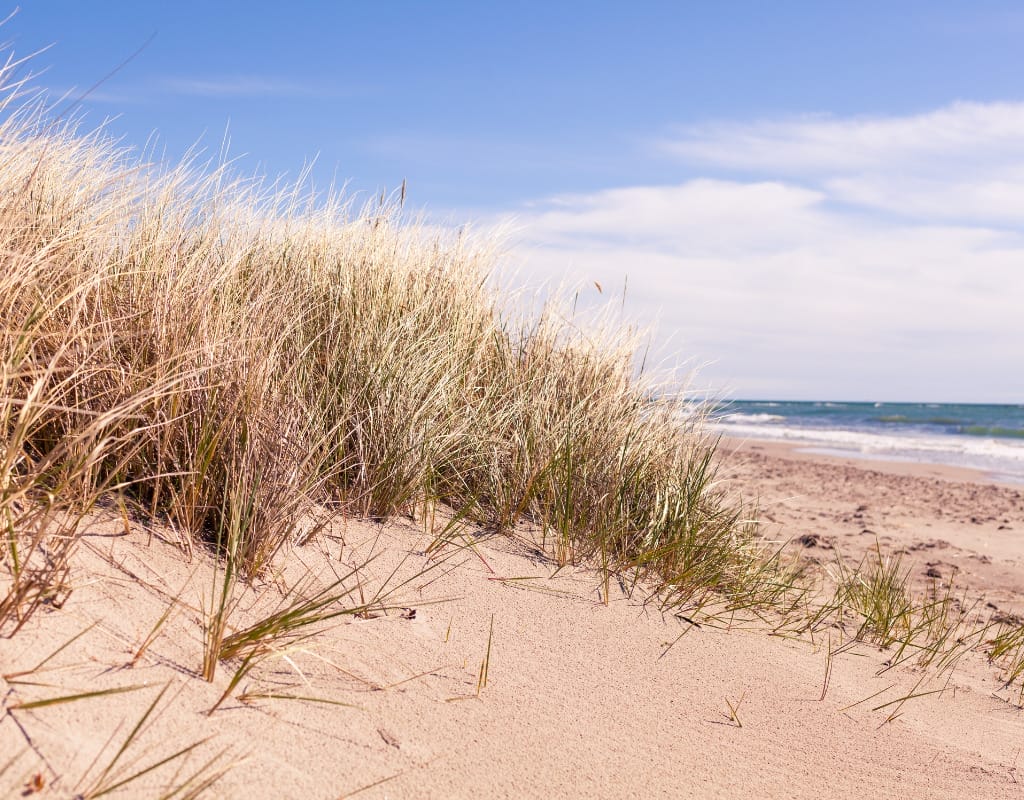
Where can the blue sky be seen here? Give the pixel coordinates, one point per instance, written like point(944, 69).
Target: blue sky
point(814, 200)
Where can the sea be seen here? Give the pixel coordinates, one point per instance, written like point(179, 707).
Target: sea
point(983, 437)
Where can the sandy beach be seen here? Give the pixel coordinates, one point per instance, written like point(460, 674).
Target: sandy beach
point(511, 401)
point(947, 521)
point(583, 698)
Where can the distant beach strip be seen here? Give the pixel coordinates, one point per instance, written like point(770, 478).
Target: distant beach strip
point(983, 437)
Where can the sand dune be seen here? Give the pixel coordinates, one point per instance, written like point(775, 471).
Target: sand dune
point(583, 698)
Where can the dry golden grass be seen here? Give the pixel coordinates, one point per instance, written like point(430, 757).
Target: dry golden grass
point(241, 362)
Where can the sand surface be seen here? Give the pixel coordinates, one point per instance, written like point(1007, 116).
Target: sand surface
point(583, 698)
point(948, 522)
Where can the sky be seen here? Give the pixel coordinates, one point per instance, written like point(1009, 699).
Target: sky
point(806, 200)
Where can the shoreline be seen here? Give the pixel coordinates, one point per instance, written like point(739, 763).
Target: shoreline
point(801, 451)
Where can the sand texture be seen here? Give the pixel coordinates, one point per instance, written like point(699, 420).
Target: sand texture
point(947, 522)
point(583, 698)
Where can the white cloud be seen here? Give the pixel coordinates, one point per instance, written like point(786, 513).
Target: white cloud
point(694, 213)
point(962, 135)
point(876, 259)
point(961, 163)
point(997, 200)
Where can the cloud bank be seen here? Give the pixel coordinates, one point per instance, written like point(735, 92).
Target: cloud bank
point(820, 257)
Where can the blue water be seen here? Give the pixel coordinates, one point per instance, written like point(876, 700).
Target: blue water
point(985, 437)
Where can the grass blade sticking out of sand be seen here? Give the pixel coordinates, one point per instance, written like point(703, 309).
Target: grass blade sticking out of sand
point(202, 779)
point(301, 615)
point(237, 520)
point(388, 779)
point(248, 697)
point(104, 789)
point(128, 740)
point(453, 529)
point(222, 602)
point(154, 632)
point(734, 710)
point(485, 665)
point(12, 677)
point(828, 668)
point(113, 777)
point(73, 698)
point(297, 616)
point(251, 659)
point(899, 702)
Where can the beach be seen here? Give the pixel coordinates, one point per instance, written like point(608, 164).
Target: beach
point(946, 521)
point(516, 421)
point(496, 674)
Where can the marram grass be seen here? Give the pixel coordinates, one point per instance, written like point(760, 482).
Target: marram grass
point(230, 359)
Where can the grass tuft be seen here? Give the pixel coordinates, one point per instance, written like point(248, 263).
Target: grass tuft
point(244, 361)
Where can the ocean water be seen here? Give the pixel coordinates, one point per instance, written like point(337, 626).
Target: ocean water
point(985, 437)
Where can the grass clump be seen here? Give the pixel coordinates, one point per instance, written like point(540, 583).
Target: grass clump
point(932, 629)
point(229, 357)
point(1006, 648)
point(879, 597)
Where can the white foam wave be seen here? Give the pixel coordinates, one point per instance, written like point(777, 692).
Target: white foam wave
point(1005, 457)
point(740, 419)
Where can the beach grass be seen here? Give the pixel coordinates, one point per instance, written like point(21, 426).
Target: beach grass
point(242, 362)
